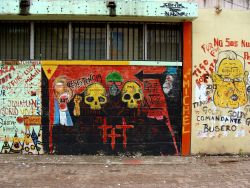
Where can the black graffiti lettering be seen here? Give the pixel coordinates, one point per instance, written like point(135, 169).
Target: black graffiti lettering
point(174, 9)
point(236, 114)
point(205, 128)
point(219, 118)
point(218, 128)
point(172, 5)
point(233, 128)
point(200, 103)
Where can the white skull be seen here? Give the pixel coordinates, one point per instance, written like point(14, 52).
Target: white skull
point(131, 94)
point(95, 96)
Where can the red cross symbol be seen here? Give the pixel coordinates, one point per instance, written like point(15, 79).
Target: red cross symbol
point(113, 137)
point(104, 128)
point(124, 128)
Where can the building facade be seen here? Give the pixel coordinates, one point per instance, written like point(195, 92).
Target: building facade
point(124, 77)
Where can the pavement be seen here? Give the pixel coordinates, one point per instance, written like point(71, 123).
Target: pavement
point(124, 171)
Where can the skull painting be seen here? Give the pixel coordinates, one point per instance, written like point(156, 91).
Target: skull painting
point(95, 96)
point(131, 94)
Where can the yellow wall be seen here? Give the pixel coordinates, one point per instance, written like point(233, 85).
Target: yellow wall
point(221, 93)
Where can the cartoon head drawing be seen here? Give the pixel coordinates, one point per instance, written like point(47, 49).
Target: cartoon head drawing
point(230, 81)
point(114, 81)
point(63, 93)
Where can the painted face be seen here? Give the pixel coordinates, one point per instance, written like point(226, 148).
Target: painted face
point(63, 93)
point(230, 82)
point(168, 84)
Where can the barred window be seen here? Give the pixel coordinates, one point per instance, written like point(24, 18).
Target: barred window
point(126, 41)
point(164, 42)
point(14, 40)
point(51, 40)
point(89, 41)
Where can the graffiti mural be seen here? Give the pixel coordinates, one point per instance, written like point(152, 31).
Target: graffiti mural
point(230, 81)
point(20, 107)
point(221, 95)
point(113, 109)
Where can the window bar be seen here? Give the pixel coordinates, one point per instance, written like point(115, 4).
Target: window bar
point(171, 43)
point(13, 56)
point(11, 29)
point(46, 42)
point(160, 29)
point(99, 36)
point(149, 45)
point(117, 42)
point(108, 38)
point(63, 28)
point(145, 39)
point(69, 41)
point(139, 42)
point(155, 29)
point(57, 40)
point(32, 41)
point(40, 41)
point(90, 46)
point(79, 41)
point(176, 44)
point(51, 42)
point(94, 41)
point(99, 44)
point(73, 41)
point(165, 42)
point(122, 42)
point(133, 39)
point(111, 42)
point(128, 42)
point(84, 41)
point(5, 38)
point(24, 39)
point(180, 44)
point(15, 33)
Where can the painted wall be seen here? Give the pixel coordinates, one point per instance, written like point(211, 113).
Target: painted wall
point(20, 107)
point(113, 107)
point(221, 82)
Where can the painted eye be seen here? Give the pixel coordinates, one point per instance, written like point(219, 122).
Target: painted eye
point(90, 99)
point(238, 79)
point(227, 79)
point(137, 96)
point(126, 97)
point(101, 99)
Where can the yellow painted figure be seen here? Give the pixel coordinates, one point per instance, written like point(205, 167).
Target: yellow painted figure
point(230, 81)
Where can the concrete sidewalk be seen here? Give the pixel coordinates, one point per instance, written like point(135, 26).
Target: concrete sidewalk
point(121, 171)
